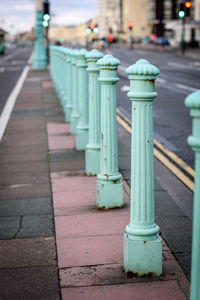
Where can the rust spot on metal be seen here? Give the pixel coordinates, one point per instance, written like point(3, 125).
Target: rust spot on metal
point(134, 108)
point(102, 138)
point(148, 141)
point(131, 274)
point(110, 207)
point(145, 242)
point(107, 176)
point(114, 181)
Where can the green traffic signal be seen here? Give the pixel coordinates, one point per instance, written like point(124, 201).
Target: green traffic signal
point(181, 14)
point(46, 17)
point(45, 24)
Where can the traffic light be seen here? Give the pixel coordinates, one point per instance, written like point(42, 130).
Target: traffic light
point(46, 14)
point(181, 12)
point(130, 25)
point(187, 8)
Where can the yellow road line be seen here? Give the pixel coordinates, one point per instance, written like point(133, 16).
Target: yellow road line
point(178, 173)
point(126, 123)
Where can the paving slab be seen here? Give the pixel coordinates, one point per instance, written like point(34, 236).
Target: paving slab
point(164, 290)
point(103, 222)
point(20, 253)
point(69, 155)
point(22, 207)
point(53, 128)
point(20, 191)
point(29, 283)
point(62, 142)
point(26, 157)
point(69, 166)
point(74, 183)
point(21, 167)
point(36, 226)
point(9, 226)
point(22, 178)
point(90, 250)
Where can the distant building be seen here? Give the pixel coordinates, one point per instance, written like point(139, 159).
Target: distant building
point(110, 19)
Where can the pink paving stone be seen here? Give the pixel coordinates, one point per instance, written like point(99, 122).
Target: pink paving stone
point(85, 251)
point(58, 128)
point(74, 198)
point(162, 290)
point(47, 84)
point(79, 183)
point(61, 142)
point(91, 223)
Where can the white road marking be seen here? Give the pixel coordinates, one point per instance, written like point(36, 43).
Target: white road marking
point(5, 115)
point(182, 66)
point(185, 87)
point(2, 70)
point(160, 80)
point(125, 88)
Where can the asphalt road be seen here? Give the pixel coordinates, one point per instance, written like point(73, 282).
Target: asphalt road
point(178, 78)
point(11, 67)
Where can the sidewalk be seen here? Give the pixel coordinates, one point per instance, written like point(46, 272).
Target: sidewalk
point(43, 183)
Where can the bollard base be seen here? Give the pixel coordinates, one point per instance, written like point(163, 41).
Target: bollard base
point(39, 65)
point(109, 194)
point(74, 123)
point(92, 161)
point(142, 257)
point(81, 138)
point(68, 112)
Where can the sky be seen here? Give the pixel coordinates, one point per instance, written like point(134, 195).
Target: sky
point(19, 15)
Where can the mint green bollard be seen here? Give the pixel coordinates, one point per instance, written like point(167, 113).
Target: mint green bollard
point(75, 110)
point(68, 107)
point(40, 53)
point(142, 245)
point(92, 154)
point(193, 102)
point(109, 185)
point(82, 128)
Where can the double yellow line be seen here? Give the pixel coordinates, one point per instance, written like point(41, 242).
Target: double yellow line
point(164, 156)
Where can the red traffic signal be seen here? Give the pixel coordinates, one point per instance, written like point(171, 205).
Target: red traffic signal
point(188, 4)
point(92, 27)
point(110, 38)
point(130, 24)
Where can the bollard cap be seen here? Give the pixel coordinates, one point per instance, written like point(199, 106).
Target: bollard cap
point(82, 53)
point(193, 100)
point(75, 52)
point(94, 55)
point(142, 69)
point(108, 61)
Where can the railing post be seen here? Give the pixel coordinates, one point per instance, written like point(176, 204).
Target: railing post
point(92, 154)
point(142, 245)
point(193, 102)
point(109, 185)
point(40, 53)
point(75, 84)
point(82, 128)
point(68, 108)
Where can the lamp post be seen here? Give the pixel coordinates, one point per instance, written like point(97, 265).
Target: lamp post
point(40, 55)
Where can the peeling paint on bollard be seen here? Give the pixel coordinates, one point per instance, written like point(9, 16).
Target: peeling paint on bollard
point(109, 195)
point(142, 245)
point(92, 154)
point(193, 102)
point(82, 128)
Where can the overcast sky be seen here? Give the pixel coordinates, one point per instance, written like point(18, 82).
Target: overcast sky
point(19, 15)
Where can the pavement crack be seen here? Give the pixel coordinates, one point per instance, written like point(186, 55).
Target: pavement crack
point(20, 227)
